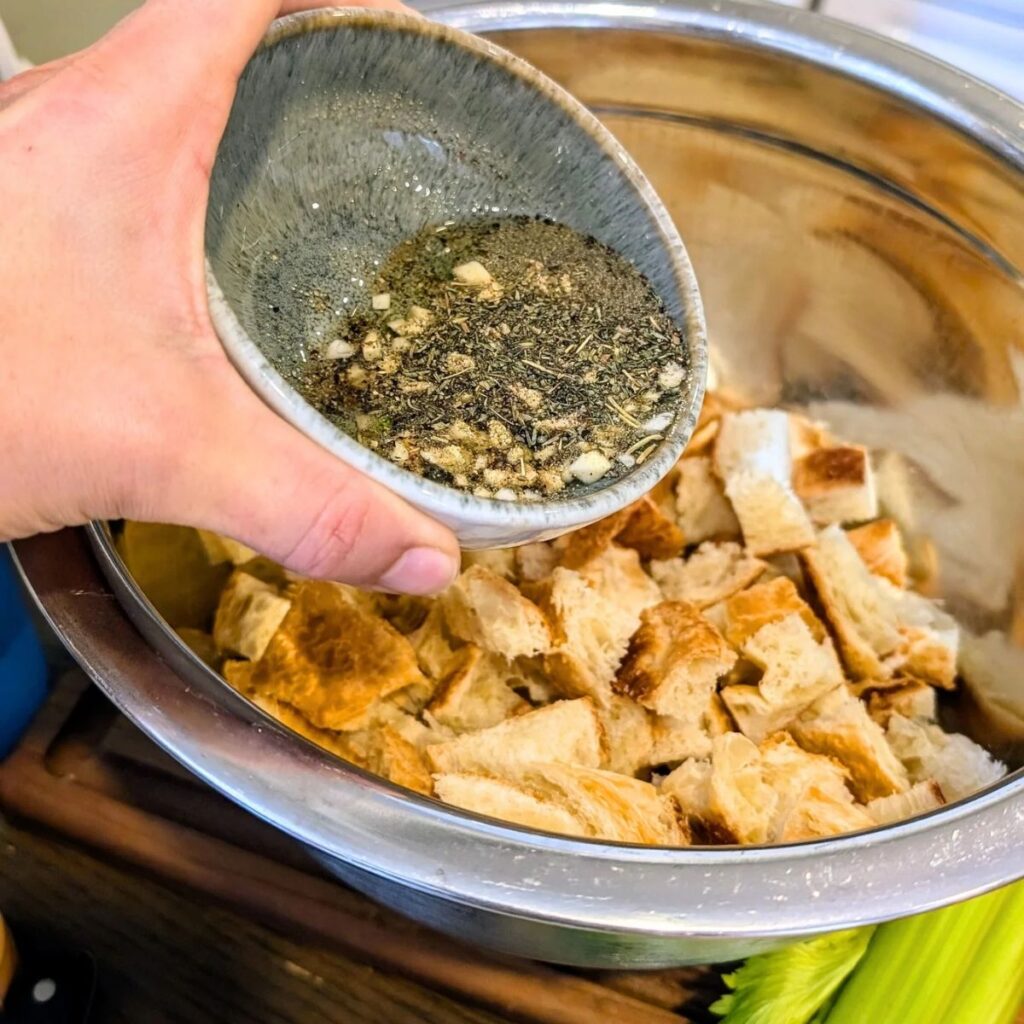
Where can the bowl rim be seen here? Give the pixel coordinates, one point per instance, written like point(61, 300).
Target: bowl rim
point(960, 851)
point(87, 595)
point(460, 508)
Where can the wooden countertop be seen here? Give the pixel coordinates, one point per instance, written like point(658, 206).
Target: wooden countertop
point(166, 957)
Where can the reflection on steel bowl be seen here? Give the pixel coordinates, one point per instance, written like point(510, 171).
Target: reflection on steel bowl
point(855, 216)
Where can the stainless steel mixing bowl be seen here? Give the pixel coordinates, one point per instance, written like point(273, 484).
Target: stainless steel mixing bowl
point(855, 213)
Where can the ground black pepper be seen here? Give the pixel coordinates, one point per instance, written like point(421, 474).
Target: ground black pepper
point(513, 358)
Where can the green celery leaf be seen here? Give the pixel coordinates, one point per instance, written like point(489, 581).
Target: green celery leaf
point(790, 985)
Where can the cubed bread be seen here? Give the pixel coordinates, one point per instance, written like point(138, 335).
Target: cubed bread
point(756, 717)
point(881, 629)
point(629, 736)
point(486, 610)
point(336, 742)
point(807, 435)
point(814, 799)
point(919, 799)
point(711, 574)
point(929, 640)
point(765, 602)
point(333, 661)
point(725, 798)
point(248, 615)
point(534, 562)
point(650, 532)
point(993, 672)
point(752, 458)
point(907, 697)
point(433, 643)
point(880, 546)
point(593, 616)
point(703, 511)
point(796, 669)
point(224, 549)
point(837, 485)
point(572, 800)
point(839, 726)
point(615, 807)
point(507, 801)
point(475, 693)
point(675, 740)
point(956, 763)
point(568, 731)
point(501, 561)
point(618, 575)
point(674, 662)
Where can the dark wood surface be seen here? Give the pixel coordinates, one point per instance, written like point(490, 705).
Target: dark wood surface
point(166, 956)
point(198, 912)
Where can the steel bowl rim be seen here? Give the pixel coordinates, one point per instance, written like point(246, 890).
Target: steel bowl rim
point(406, 841)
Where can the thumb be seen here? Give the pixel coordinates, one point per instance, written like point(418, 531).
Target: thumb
point(247, 474)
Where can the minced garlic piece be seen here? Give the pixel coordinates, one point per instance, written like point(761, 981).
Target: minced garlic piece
point(589, 467)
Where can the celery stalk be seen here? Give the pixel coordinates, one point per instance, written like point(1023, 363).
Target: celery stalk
point(788, 986)
point(947, 967)
point(996, 983)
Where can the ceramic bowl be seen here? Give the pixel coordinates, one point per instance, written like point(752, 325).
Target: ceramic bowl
point(352, 130)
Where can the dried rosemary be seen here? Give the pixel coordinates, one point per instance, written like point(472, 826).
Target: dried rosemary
point(512, 358)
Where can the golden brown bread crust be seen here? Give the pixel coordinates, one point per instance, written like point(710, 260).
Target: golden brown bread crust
point(835, 484)
point(675, 657)
point(880, 544)
point(334, 661)
point(766, 602)
point(650, 532)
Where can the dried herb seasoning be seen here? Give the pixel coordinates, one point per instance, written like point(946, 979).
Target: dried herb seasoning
point(513, 358)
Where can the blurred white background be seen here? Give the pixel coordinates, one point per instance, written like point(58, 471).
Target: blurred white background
point(985, 37)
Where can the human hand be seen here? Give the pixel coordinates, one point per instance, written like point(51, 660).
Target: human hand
point(118, 401)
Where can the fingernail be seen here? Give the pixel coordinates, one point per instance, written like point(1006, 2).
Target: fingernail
point(420, 571)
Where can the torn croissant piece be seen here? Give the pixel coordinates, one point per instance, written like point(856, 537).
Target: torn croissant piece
point(650, 532)
point(248, 615)
point(838, 725)
point(796, 670)
point(674, 662)
point(567, 731)
point(475, 693)
point(674, 740)
point(711, 574)
point(593, 616)
point(501, 561)
point(752, 458)
point(725, 798)
point(702, 510)
point(907, 697)
point(919, 799)
point(956, 763)
point(332, 661)
point(813, 796)
point(881, 629)
point(777, 792)
point(433, 643)
point(485, 609)
point(629, 736)
point(613, 807)
point(771, 601)
point(507, 801)
point(837, 485)
point(880, 545)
